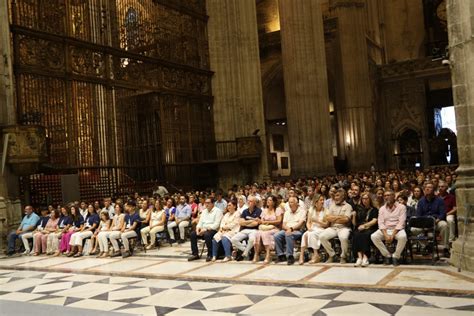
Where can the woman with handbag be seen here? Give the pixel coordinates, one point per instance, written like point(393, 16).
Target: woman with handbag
point(270, 223)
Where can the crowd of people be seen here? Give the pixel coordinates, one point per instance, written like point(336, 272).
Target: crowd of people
point(366, 212)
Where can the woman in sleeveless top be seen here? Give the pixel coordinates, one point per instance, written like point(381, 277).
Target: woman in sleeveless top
point(157, 224)
point(315, 225)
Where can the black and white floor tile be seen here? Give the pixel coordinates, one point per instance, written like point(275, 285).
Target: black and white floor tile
point(154, 296)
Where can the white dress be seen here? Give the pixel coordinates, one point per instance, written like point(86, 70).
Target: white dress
point(316, 230)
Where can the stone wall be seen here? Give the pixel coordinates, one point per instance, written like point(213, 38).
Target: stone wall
point(461, 43)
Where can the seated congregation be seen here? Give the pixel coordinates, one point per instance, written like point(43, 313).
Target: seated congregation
point(305, 222)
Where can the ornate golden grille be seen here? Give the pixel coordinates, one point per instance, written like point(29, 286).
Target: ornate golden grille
point(122, 87)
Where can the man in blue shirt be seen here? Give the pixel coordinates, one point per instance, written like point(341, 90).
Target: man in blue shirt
point(249, 221)
point(431, 205)
point(180, 219)
point(28, 223)
point(40, 225)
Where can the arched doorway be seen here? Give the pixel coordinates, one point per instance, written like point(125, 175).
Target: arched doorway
point(444, 148)
point(409, 153)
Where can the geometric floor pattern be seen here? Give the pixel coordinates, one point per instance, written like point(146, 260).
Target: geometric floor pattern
point(162, 282)
point(142, 296)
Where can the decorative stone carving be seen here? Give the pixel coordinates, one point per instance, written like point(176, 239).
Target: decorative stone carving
point(410, 67)
point(26, 148)
point(249, 147)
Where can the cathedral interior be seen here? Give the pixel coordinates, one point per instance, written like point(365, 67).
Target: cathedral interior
point(102, 98)
point(109, 96)
point(134, 91)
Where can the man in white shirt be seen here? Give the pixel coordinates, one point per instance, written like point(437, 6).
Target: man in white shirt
point(293, 221)
point(206, 228)
point(108, 207)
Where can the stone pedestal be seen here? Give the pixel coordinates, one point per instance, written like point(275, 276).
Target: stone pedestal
point(306, 87)
point(354, 107)
point(236, 85)
point(10, 210)
point(461, 48)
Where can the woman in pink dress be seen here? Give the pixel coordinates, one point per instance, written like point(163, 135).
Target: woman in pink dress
point(270, 223)
point(41, 237)
point(77, 221)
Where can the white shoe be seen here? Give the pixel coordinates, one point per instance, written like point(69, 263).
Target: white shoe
point(26, 253)
point(365, 263)
point(358, 262)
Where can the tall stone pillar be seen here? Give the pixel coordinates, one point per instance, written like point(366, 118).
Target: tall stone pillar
point(354, 107)
point(306, 87)
point(461, 48)
point(10, 213)
point(236, 85)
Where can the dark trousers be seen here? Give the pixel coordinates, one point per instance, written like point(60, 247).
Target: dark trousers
point(12, 237)
point(207, 236)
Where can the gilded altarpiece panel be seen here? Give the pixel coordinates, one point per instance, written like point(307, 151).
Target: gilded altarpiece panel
point(121, 86)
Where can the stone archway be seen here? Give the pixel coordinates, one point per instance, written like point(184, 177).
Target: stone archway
point(409, 154)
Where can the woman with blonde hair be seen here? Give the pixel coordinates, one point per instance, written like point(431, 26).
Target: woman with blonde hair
point(315, 225)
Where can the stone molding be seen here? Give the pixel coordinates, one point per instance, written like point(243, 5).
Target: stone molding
point(403, 69)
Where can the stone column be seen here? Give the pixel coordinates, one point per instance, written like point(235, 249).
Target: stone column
point(354, 104)
point(10, 213)
point(306, 87)
point(461, 48)
point(237, 84)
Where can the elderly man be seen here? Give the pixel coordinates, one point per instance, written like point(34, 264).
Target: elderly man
point(249, 221)
point(181, 219)
point(28, 224)
point(338, 217)
point(431, 205)
point(293, 222)
point(209, 222)
point(391, 221)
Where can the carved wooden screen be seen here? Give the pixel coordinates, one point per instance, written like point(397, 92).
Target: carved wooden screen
point(122, 86)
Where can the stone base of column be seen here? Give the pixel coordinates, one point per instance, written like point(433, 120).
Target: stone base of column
point(467, 259)
point(10, 217)
point(464, 196)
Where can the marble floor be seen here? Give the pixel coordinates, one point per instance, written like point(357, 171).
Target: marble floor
point(162, 282)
